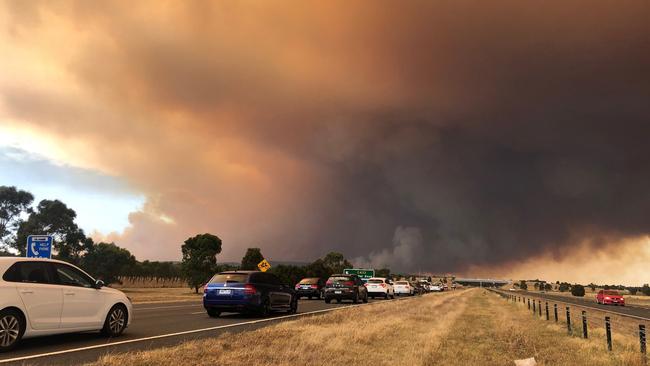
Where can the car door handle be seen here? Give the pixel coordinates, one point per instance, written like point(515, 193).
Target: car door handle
point(68, 293)
point(26, 291)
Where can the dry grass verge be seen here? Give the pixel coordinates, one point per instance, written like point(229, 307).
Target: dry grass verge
point(380, 334)
point(461, 328)
point(153, 295)
point(495, 332)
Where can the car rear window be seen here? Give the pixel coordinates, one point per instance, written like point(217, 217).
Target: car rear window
point(229, 277)
point(340, 279)
point(375, 281)
point(309, 281)
point(32, 272)
point(610, 292)
point(401, 283)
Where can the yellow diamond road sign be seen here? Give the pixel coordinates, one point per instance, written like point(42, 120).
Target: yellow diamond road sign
point(264, 265)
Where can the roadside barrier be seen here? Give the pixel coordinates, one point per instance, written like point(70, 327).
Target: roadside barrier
point(621, 321)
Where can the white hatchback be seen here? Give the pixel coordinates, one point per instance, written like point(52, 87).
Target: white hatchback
point(380, 287)
point(403, 288)
point(44, 297)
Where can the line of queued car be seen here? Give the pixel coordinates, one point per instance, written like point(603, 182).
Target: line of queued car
point(45, 297)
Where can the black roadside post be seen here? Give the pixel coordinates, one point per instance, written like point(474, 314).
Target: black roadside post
point(608, 331)
point(528, 304)
point(584, 325)
point(555, 311)
point(540, 308)
point(534, 307)
point(642, 340)
point(568, 320)
point(547, 310)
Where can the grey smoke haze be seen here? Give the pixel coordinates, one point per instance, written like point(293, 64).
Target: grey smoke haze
point(421, 135)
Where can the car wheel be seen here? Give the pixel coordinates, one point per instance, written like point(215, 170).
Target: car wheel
point(213, 313)
point(355, 299)
point(327, 300)
point(386, 296)
point(12, 328)
point(338, 301)
point(309, 297)
point(392, 296)
point(293, 307)
point(266, 307)
point(116, 321)
point(365, 298)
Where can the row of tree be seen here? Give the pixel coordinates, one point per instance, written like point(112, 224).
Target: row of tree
point(107, 261)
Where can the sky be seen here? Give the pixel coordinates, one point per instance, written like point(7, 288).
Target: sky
point(505, 139)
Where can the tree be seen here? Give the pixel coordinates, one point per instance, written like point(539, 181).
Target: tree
point(289, 274)
point(564, 287)
point(200, 259)
point(578, 290)
point(251, 259)
point(56, 219)
point(645, 289)
point(13, 203)
point(317, 269)
point(633, 290)
point(548, 287)
point(523, 285)
point(592, 286)
point(108, 261)
point(335, 262)
point(384, 272)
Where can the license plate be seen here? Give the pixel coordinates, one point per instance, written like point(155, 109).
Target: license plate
point(225, 292)
point(305, 287)
point(337, 292)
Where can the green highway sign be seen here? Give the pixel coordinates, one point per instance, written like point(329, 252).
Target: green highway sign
point(364, 274)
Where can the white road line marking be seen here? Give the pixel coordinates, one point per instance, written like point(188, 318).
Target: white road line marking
point(105, 345)
point(198, 312)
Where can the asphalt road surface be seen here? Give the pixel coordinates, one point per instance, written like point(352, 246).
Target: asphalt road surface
point(154, 326)
point(589, 302)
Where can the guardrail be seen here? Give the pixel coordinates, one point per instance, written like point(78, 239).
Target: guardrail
point(584, 317)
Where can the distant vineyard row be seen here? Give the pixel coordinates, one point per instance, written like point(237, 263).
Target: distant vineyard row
point(150, 282)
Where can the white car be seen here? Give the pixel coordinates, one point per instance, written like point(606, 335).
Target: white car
point(380, 287)
point(436, 288)
point(403, 288)
point(43, 297)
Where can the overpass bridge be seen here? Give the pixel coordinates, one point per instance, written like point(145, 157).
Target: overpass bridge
point(482, 282)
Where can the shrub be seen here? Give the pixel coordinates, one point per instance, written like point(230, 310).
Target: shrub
point(578, 290)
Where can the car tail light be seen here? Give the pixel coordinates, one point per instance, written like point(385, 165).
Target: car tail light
point(297, 286)
point(314, 286)
point(348, 283)
point(205, 289)
point(328, 283)
point(249, 289)
point(383, 285)
point(365, 285)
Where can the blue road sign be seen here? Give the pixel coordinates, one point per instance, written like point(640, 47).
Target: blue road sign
point(39, 246)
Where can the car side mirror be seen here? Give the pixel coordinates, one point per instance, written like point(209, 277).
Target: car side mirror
point(99, 284)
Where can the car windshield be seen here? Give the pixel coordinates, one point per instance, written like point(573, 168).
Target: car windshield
point(615, 293)
point(309, 281)
point(375, 281)
point(401, 283)
point(229, 277)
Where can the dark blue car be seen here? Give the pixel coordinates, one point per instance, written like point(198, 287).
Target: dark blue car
point(248, 292)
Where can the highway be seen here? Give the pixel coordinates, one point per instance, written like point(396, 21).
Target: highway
point(154, 325)
point(587, 301)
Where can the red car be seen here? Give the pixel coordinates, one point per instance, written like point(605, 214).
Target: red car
point(610, 297)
